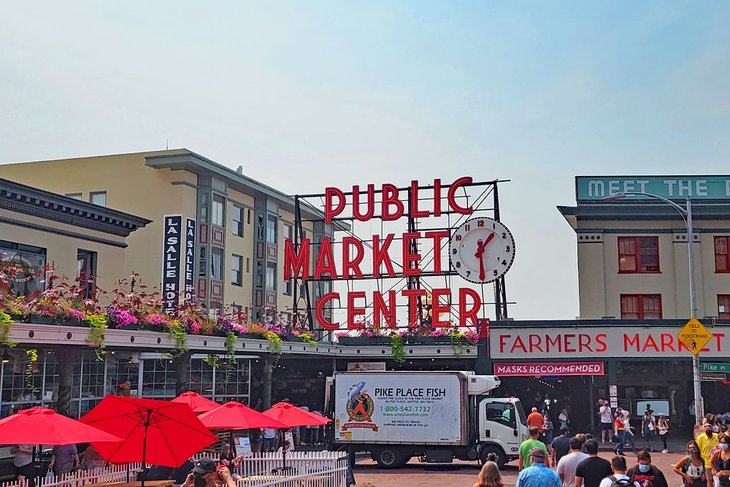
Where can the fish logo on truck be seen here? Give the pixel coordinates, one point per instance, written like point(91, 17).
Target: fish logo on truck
point(360, 408)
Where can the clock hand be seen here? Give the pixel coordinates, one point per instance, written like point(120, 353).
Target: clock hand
point(480, 255)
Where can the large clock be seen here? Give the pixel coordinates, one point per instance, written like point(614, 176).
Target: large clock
point(481, 250)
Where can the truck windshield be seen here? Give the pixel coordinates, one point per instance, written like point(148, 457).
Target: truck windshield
point(520, 413)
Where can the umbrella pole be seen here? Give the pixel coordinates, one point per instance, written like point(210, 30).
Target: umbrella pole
point(144, 447)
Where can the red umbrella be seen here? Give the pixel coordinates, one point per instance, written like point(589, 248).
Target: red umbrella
point(294, 416)
point(41, 426)
point(235, 416)
point(160, 432)
point(197, 403)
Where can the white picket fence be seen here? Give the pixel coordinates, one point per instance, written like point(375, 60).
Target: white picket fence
point(112, 473)
point(303, 469)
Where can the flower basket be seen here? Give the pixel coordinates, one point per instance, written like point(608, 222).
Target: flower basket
point(362, 341)
point(42, 319)
point(427, 340)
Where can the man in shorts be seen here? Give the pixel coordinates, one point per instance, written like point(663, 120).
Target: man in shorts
point(606, 417)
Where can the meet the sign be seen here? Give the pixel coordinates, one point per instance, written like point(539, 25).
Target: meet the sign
point(600, 342)
point(592, 188)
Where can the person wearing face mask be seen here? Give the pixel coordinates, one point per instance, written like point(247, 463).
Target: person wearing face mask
point(692, 467)
point(209, 473)
point(706, 441)
point(720, 462)
point(645, 474)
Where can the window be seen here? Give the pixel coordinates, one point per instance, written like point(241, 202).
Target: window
point(86, 272)
point(271, 229)
point(638, 254)
point(723, 306)
point(248, 265)
point(722, 263)
point(641, 306)
point(288, 287)
point(236, 265)
point(216, 264)
point(76, 196)
point(98, 198)
point(25, 264)
point(271, 276)
point(216, 217)
point(288, 232)
point(503, 413)
point(237, 221)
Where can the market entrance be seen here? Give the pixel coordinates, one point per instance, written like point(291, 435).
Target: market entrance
point(555, 394)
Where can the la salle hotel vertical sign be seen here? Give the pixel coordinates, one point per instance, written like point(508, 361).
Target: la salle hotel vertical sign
point(171, 262)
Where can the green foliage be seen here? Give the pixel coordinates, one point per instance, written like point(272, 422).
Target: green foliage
point(212, 360)
point(6, 326)
point(178, 332)
point(32, 355)
point(457, 343)
point(274, 346)
point(97, 333)
point(307, 338)
point(230, 354)
point(397, 348)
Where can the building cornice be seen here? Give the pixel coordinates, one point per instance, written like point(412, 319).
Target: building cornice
point(36, 202)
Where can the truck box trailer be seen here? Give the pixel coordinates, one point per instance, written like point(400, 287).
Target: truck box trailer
point(436, 416)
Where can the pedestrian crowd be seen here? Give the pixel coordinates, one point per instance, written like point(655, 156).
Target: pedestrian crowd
point(573, 461)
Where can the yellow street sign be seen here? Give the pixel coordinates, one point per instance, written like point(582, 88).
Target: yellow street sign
point(694, 336)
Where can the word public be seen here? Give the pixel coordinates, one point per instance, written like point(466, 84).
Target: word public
point(393, 205)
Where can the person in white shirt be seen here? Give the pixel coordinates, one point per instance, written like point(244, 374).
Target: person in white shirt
point(619, 477)
point(606, 416)
point(568, 464)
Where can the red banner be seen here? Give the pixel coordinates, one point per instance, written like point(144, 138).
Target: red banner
point(548, 368)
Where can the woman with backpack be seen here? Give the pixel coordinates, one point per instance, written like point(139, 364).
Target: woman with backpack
point(692, 467)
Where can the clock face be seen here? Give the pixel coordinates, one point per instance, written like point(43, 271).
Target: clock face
point(481, 250)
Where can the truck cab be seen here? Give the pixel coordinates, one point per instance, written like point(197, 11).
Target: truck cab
point(502, 428)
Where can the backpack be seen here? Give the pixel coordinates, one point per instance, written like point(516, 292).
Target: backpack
point(620, 482)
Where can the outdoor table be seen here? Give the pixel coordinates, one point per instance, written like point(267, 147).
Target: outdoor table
point(310, 481)
point(150, 483)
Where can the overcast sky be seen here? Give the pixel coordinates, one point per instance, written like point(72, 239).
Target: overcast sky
point(311, 94)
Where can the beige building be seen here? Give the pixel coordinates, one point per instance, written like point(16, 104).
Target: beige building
point(632, 251)
point(41, 231)
point(223, 232)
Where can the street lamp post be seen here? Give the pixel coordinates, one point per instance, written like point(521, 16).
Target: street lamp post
point(686, 214)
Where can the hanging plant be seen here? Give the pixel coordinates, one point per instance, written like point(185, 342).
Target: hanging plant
point(212, 360)
point(6, 326)
point(32, 355)
point(457, 343)
point(274, 346)
point(230, 354)
point(179, 333)
point(396, 348)
point(97, 330)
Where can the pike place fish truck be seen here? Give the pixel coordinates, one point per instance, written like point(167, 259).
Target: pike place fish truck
point(435, 416)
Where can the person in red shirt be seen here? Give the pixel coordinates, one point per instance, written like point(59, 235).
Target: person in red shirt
point(536, 420)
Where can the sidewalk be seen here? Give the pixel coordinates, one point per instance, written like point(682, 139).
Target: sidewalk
point(674, 444)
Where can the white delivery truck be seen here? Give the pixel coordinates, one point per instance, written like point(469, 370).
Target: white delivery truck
point(437, 416)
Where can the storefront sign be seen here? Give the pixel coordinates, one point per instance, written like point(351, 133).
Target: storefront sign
point(189, 279)
point(548, 368)
point(592, 188)
point(365, 366)
point(713, 377)
point(600, 342)
point(171, 262)
point(723, 368)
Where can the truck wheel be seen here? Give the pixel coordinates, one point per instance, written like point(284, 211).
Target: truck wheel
point(389, 458)
point(501, 457)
